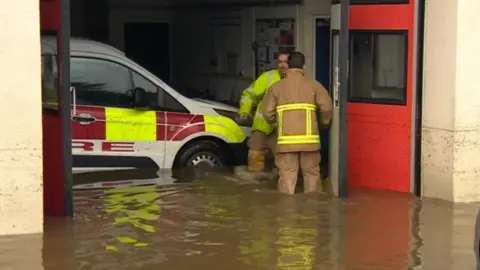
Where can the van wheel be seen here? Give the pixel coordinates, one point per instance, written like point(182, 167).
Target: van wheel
point(201, 154)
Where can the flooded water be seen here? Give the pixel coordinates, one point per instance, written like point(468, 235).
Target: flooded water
point(218, 223)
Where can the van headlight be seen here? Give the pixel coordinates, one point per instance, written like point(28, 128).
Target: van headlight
point(234, 117)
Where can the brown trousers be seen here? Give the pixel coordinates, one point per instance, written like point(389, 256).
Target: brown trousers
point(259, 141)
point(288, 165)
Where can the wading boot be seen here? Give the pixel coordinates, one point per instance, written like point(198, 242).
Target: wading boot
point(256, 161)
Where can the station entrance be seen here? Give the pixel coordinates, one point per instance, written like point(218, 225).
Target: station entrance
point(373, 136)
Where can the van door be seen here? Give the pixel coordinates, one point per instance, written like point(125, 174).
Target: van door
point(117, 136)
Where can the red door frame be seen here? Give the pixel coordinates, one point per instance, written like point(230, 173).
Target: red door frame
point(57, 157)
point(366, 120)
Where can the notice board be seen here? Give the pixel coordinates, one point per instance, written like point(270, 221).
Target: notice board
point(272, 36)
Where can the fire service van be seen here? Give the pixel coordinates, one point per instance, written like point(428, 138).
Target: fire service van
point(123, 116)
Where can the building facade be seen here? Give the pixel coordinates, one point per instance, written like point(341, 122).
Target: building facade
point(428, 125)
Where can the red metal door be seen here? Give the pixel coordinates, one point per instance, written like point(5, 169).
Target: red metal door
point(380, 93)
point(57, 174)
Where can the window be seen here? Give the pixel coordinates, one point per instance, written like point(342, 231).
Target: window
point(104, 83)
point(378, 2)
point(170, 104)
point(151, 89)
point(49, 80)
point(378, 67)
point(100, 83)
point(161, 100)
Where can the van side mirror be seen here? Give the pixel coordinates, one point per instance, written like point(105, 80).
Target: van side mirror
point(140, 98)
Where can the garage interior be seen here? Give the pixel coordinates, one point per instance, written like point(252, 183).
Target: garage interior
point(209, 49)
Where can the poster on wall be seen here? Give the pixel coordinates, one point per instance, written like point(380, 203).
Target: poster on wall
point(272, 37)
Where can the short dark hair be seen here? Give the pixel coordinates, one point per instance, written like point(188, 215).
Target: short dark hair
point(286, 51)
point(296, 60)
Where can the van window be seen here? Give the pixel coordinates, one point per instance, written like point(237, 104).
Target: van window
point(100, 82)
point(151, 89)
point(161, 100)
point(49, 81)
point(105, 83)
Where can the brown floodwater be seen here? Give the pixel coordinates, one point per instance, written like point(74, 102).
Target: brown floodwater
point(155, 222)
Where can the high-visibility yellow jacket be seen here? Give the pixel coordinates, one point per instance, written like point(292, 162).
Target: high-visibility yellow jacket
point(253, 95)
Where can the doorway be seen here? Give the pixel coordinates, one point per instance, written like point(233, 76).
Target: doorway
point(148, 44)
point(322, 75)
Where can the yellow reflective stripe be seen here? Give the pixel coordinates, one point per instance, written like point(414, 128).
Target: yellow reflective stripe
point(270, 78)
point(225, 127)
point(246, 99)
point(296, 106)
point(130, 125)
point(280, 123)
point(307, 107)
point(250, 90)
point(308, 118)
point(298, 139)
point(299, 142)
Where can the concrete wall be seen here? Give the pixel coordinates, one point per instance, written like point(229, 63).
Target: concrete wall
point(451, 101)
point(21, 199)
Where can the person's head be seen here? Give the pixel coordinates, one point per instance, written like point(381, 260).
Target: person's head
point(296, 60)
point(282, 63)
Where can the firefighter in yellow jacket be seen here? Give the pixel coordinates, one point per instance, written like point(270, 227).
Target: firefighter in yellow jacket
point(262, 132)
point(292, 103)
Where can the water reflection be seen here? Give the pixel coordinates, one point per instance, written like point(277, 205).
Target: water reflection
point(221, 224)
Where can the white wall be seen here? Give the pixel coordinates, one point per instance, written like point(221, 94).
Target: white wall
point(451, 101)
point(21, 192)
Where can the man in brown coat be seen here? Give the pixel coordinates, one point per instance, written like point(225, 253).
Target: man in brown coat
point(292, 103)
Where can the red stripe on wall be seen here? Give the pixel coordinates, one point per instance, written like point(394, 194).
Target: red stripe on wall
point(53, 188)
point(50, 15)
point(53, 185)
point(381, 17)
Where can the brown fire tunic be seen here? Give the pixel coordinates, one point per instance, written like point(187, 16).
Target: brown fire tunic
point(292, 103)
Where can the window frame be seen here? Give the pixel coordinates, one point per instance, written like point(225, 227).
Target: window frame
point(380, 101)
point(132, 84)
point(379, 2)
